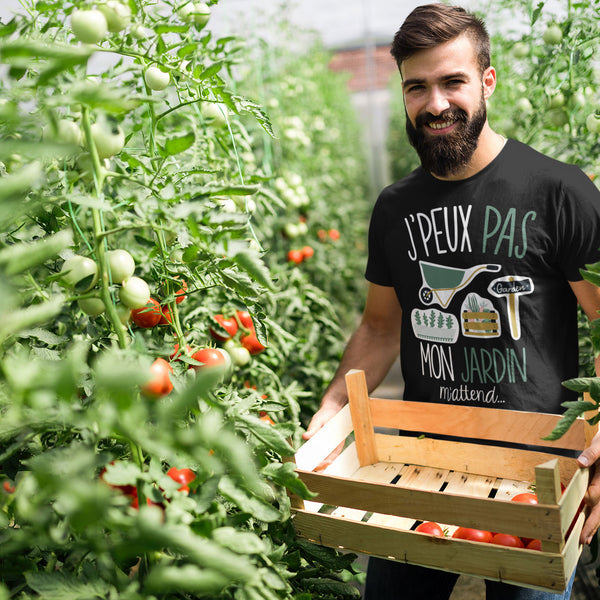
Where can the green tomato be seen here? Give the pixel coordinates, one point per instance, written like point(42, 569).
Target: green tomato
point(89, 26)
point(240, 356)
point(291, 230)
point(156, 79)
point(214, 113)
point(593, 123)
point(201, 14)
point(91, 306)
point(134, 292)
point(138, 32)
point(67, 132)
point(524, 105)
point(186, 12)
point(117, 15)
point(557, 99)
point(80, 272)
point(108, 137)
point(553, 34)
point(558, 117)
point(121, 265)
point(520, 50)
point(123, 312)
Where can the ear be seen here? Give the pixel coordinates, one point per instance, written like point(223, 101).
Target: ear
point(489, 82)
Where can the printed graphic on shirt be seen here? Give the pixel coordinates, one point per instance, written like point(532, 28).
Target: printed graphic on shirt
point(511, 288)
point(434, 325)
point(479, 318)
point(440, 282)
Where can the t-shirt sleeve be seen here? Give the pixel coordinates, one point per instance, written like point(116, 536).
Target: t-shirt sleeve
point(377, 270)
point(578, 225)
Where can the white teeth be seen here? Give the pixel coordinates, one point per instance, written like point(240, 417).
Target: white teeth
point(440, 125)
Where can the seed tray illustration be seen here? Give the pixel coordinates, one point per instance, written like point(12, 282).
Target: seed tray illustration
point(403, 463)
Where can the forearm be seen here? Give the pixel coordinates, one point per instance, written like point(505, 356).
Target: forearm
point(369, 349)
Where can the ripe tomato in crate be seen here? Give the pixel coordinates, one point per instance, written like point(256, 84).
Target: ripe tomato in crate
point(405, 462)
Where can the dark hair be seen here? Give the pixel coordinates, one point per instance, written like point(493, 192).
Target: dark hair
point(433, 24)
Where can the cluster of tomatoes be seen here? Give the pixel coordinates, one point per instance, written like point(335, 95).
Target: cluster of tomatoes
point(238, 335)
point(488, 537)
point(183, 477)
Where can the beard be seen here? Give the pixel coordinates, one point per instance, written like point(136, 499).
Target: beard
point(446, 155)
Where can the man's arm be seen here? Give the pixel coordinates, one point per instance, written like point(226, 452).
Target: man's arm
point(373, 347)
point(588, 296)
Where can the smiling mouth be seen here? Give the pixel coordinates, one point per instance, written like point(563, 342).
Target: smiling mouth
point(441, 125)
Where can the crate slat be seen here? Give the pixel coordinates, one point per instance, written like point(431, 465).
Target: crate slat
point(530, 568)
point(414, 478)
point(466, 457)
point(475, 422)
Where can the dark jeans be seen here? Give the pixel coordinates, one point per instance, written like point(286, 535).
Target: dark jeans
point(390, 580)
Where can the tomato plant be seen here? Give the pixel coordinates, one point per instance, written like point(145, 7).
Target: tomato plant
point(162, 196)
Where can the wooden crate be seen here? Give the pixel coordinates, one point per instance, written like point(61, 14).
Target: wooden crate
point(383, 483)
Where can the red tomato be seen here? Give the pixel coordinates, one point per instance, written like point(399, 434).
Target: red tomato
point(266, 418)
point(334, 234)
point(8, 488)
point(474, 535)
point(166, 318)
point(245, 319)
point(160, 384)
point(505, 539)
point(307, 252)
point(526, 497)
point(431, 528)
point(182, 476)
point(534, 545)
point(180, 293)
point(295, 256)
point(147, 316)
point(225, 329)
point(127, 490)
point(251, 343)
point(322, 235)
point(176, 352)
point(209, 357)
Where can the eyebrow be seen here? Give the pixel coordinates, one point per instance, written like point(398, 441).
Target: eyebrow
point(417, 80)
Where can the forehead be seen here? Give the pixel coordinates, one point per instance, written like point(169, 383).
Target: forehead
point(456, 55)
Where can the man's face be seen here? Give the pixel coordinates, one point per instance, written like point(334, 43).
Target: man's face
point(444, 98)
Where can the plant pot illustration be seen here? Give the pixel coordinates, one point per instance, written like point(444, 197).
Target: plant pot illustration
point(434, 326)
point(440, 283)
point(479, 318)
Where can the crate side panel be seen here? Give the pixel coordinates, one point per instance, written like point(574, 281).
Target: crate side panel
point(526, 520)
point(464, 456)
point(475, 422)
point(540, 570)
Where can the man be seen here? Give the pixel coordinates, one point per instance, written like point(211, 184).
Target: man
point(484, 226)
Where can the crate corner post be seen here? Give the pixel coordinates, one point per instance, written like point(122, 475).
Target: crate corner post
point(360, 409)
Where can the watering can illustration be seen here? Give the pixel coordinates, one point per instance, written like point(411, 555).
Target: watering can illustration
point(440, 283)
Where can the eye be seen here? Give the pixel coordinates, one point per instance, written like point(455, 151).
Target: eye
point(411, 89)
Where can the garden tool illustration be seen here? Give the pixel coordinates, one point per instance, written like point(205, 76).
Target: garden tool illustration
point(511, 288)
point(440, 283)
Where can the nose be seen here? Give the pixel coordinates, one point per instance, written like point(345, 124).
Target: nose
point(437, 102)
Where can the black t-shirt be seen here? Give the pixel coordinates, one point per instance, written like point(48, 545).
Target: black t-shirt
point(481, 269)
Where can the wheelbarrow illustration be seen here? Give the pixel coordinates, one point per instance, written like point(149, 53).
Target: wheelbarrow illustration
point(440, 283)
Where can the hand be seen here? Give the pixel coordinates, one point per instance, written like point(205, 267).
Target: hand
point(322, 416)
point(590, 458)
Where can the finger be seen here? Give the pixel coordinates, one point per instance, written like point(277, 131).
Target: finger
point(591, 454)
point(591, 524)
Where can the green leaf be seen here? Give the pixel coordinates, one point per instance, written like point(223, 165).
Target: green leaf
point(285, 474)
point(58, 585)
point(210, 71)
point(179, 144)
point(574, 409)
point(241, 542)
point(247, 503)
point(17, 185)
point(324, 586)
point(185, 579)
point(36, 314)
point(20, 257)
point(252, 264)
point(591, 276)
point(267, 434)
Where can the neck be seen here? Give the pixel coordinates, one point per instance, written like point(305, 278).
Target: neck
point(489, 146)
